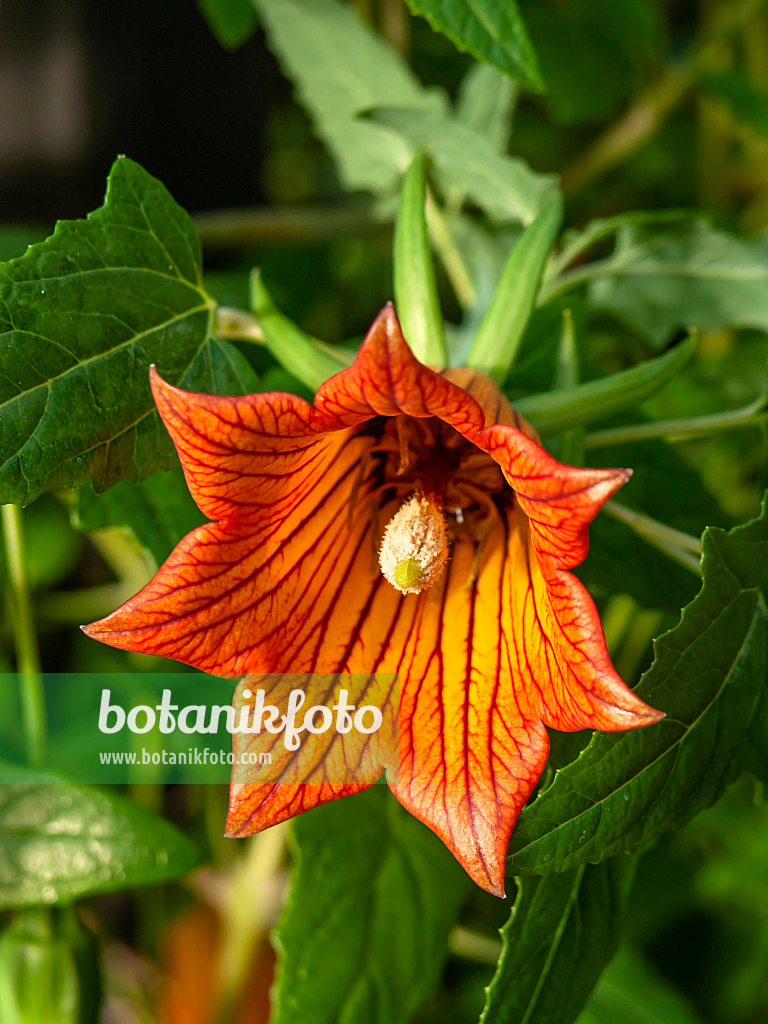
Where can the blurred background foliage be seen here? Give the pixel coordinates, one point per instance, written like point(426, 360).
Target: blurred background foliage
point(650, 105)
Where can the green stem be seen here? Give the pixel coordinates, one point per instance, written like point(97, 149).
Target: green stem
point(680, 547)
point(237, 325)
point(556, 285)
point(471, 946)
point(230, 229)
point(751, 415)
point(451, 258)
point(25, 637)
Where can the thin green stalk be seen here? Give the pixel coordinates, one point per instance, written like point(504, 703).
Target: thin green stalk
point(567, 375)
point(450, 256)
point(753, 414)
point(680, 547)
point(25, 637)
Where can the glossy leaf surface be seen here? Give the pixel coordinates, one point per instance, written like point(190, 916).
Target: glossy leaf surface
point(491, 32)
point(60, 841)
point(563, 930)
point(82, 316)
point(365, 933)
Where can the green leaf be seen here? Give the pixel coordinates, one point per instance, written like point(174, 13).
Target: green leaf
point(365, 932)
point(504, 186)
point(498, 338)
point(709, 676)
point(60, 841)
point(231, 21)
point(632, 993)
point(82, 316)
point(296, 351)
point(688, 275)
point(340, 67)
point(490, 31)
point(562, 932)
point(556, 411)
point(416, 299)
point(485, 103)
point(159, 511)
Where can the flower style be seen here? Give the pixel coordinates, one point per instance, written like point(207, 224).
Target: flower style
point(490, 644)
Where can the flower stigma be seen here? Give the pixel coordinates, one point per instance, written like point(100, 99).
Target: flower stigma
point(414, 546)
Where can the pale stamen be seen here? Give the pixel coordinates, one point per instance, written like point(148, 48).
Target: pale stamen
point(414, 547)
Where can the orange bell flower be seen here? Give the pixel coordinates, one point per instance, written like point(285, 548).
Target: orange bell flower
point(426, 479)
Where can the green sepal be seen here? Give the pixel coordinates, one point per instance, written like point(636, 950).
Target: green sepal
point(296, 351)
point(556, 411)
point(498, 338)
point(416, 300)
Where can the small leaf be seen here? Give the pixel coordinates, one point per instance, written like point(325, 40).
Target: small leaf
point(709, 676)
point(340, 67)
point(59, 841)
point(556, 411)
point(563, 930)
point(159, 511)
point(492, 32)
point(500, 333)
point(504, 186)
point(231, 21)
point(688, 275)
point(82, 316)
point(296, 351)
point(365, 932)
point(416, 300)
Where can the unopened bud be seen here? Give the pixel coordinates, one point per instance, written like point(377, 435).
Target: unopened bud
point(414, 546)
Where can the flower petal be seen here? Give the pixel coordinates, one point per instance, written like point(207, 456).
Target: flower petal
point(285, 581)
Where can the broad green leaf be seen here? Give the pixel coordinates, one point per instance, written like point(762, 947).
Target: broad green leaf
point(82, 316)
point(340, 68)
point(709, 676)
point(687, 275)
point(555, 411)
point(504, 186)
point(416, 299)
point(631, 992)
point(490, 31)
point(500, 333)
point(365, 932)
point(485, 104)
point(563, 930)
point(60, 841)
point(159, 511)
point(231, 21)
point(296, 351)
